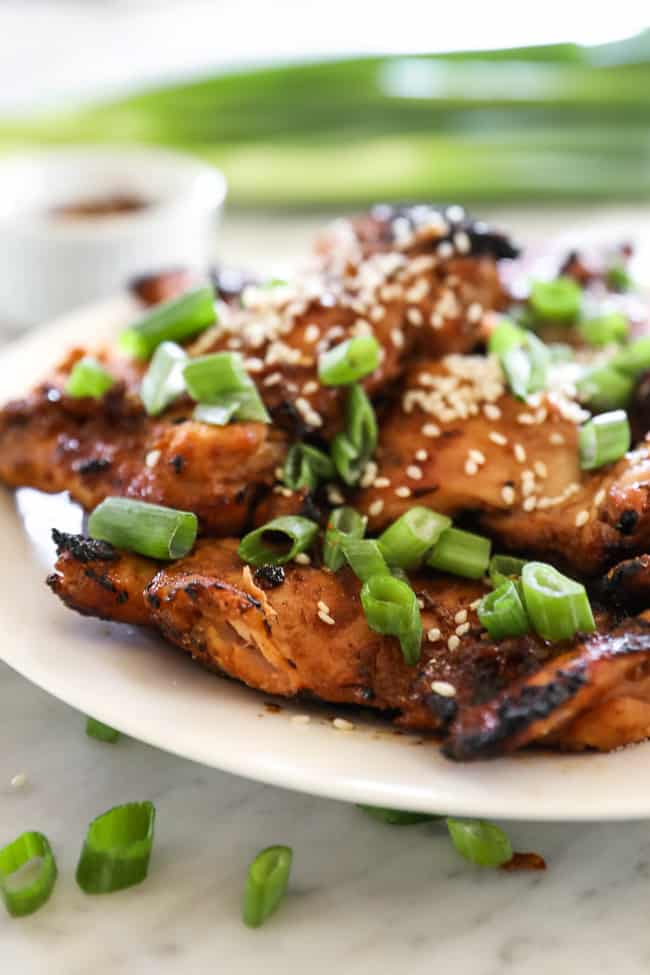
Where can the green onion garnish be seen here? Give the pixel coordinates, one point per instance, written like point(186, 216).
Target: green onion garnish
point(558, 607)
point(391, 607)
point(407, 540)
point(605, 329)
point(605, 388)
point(479, 842)
point(278, 541)
point(117, 849)
point(556, 301)
point(266, 884)
point(633, 359)
point(102, 732)
point(24, 898)
point(618, 278)
point(360, 421)
point(502, 612)
point(210, 376)
point(397, 817)
point(88, 378)
point(306, 467)
point(505, 336)
point(349, 463)
point(365, 557)
point(172, 321)
point(344, 524)
point(244, 405)
point(504, 567)
point(604, 439)
point(349, 361)
point(163, 381)
point(149, 529)
point(461, 553)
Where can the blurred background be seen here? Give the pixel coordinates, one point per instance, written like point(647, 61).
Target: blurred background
point(537, 116)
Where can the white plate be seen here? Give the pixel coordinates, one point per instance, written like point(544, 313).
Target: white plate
point(131, 680)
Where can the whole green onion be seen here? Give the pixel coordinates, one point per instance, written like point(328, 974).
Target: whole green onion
point(26, 898)
point(210, 376)
point(266, 884)
point(407, 540)
point(397, 817)
point(278, 541)
point(605, 388)
point(306, 467)
point(504, 567)
point(88, 378)
point(102, 732)
point(391, 607)
point(349, 361)
point(244, 405)
point(343, 524)
point(461, 553)
point(556, 301)
point(117, 849)
point(604, 439)
point(633, 359)
point(605, 329)
point(172, 321)
point(149, 529)
point(163, 381)
point(479, 842)
point(558, 607)
point(502, 612)
point(364, 557)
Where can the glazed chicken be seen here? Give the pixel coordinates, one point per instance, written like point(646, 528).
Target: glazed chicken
point(480, 697)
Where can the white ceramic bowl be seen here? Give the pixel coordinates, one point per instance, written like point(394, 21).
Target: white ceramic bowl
point(50, 265)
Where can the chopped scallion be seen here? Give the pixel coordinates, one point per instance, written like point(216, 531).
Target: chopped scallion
point(461, 553)
point(117, 849)
point(173, 321)
point(306, 467)
point(149, 529)
point(102, 732)
point(502, 612)
point(556, 301)
point(278, 541)
point(605, 329)
point(480, 842)
point(25, 898)
point(266, 884)
point(364, 557)
point(349, 361)
point(605, 388)
point(208, 377)
point(397, 817)
point(407, 540)
point(163, 381)
point(344, 524)
point(88, 378)
point(391, 607)
point(558, 607)
point(633, 359)
point(604, 439)
point(504, 567)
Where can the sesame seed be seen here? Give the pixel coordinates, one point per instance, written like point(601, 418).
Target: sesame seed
point(453, 642)
point(474, 312)
point(421, 454)
point(462, 242)
point(492, 412)
point(471, 468)
point(312, 334)
point(415, 316)
point(540, 468)
point(443, 688)
point(436, 319)
point(527, 419)
point(254, 364)
point(369, 474)
point(475, 604)
point(309, 415)
point(361, 327)
point(273, 379)
point(599, 497)
point(342, 725)
point(284, 492)
point(460, 616)
point(497, 438)
point(382, 482)
point(334, 496)
point(414, 472)
point(455, 213)
point(434, 634)
point(431, 430)
point(582, 518)
point(19, 781)
point(445, 249)
point(403, 492)
point(463, 628)
point(420, 602)
point(324, 608)
point(477, 456)
point(377, 312)
point(326, 618)
point(152, 458)
point(508, 494)
point(302, 559)
point(520, 453)
point(376, 508)
point(397, 338)
point(300, 719)
point(556, 438)
point(530, 503)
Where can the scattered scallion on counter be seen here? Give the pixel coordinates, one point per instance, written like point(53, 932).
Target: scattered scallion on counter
point(349, 361)
point(391, 607)
point(88, 378)
point(343, 525)
point(407, 540)
point(266, 884)
point(502, 612)
point(278, 541)
point(556, 301)
point(558, 607)
point(172, 321)
point(102, 732)
point(148, 529)
point(397, 817)
point(306, 467)
point(604, 439)
point(480, 842)
point(163, 381)
point(22, 898)
point(461, 554)
point(117, 849)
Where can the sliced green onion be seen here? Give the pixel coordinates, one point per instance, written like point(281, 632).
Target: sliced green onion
point(397, 817)
point(344, 524)
point(117, 849)
point(504, 567)
point(274, 283)
point(407, 540)
point(633, 359)
point(306, 467)
point(349, 463)
point(360, 421)
point(210, 376)
point(149, 529)
point(245, 405)
point(172, 321)
point(556, 301)
point(349, 361)
point(502, 612)
point(604, 439)
point(558, 607)
point(618, 278)
point(266, 884)
point(102, 732)
point(605, 388)
point(479, 842)
point(365, 557)
point(540, 359)
point(461, 553)
point(560, 352)
point(605, 329)
point(163, 381)
point(391, 607)
point(507, 335)
point(22, 898)
point(88, 378)
point(278, 541)
point(526, 365)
